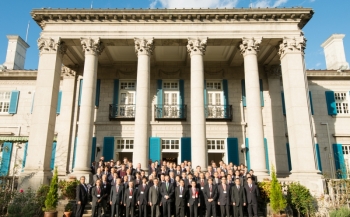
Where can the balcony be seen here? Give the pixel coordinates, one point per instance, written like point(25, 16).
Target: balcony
point(170, 112)
point(121, 112)
point(218, 112)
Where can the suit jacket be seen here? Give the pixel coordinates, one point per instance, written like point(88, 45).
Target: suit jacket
point(82, 194)
point(181, 200)
point(154, 195)
point(116, 196)
point(130, 202)
point(200, 185)
point(238, 196)
point(106, 186)
point(214, 192)
point(216, 182)
point(137, 182)
point(121, 174)
point(142, 195)
point(96, 195)
point(96, 177)
point(169, 192)
point(194, 197)
point(224, 196)
point(252, 193)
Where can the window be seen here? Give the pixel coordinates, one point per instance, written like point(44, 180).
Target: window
point(4, 101)
point(214, 85)
point(124, 143)
point(171, 99)
point(127, 85)
point(170, 144)
point(341, 102)
point(170, 85)
point(346, 153)
point(216, 144)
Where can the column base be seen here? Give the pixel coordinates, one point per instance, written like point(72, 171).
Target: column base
point(34, 179)
point(313, 181)
point(80, 173)
point(261, 175)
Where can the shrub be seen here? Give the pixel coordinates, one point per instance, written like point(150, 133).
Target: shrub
point(300, 198)
point(5, 194)
point(342, 212)
point(68, 188)
point(68, 207)
point(25, 204)
point(264, 190)
point(41, 194)
point(52, 197)
point(277, 201)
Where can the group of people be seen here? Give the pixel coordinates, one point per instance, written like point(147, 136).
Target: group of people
point(180, 190)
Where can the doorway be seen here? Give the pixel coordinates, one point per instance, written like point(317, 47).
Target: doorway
point(171, 157)
point(216, 157)
point(120, 156)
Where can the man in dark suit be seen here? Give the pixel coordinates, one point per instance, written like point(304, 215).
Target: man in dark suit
point(252, 193)
point(107, 189)
point(154, 198)
point(238, 198)
point(167, 192)
point(224, 197)
point(98, 194)
point(181, 195)
point(201, 182)
point(81, 197)
point(194, 200)
point(142, 198)
point(210, 197)
point(130, 197)
point(116, 197)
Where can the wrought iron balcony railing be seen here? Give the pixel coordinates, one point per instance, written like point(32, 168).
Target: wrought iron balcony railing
point(218, 112)
point(122, 112)
point(170, 112)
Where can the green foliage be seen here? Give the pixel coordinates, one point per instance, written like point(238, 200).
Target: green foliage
point(342, 212)
point(41, 194)
point(25, 204)
point(277, 201)
point(264, 190)
point(5, 194)
point(52, 197)
point(300, 198)
point(68, 188)
point(68, 207)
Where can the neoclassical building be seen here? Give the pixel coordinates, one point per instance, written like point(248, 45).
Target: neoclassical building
point(175, 84)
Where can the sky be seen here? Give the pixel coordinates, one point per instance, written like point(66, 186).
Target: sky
point(331, 16)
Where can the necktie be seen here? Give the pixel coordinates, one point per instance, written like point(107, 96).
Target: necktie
point(117, 188)
point(180, 190)
point(130, 191)
point(250, 185)
point(156, 188)
point(98, 190)
point(210, 188)
point(238, 187)
point(167, 185)
point(85, 187)
point(224, 187)
point(202, 182)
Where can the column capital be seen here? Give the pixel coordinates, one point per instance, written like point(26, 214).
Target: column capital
point(292, 45)
point(250, 45)
point(50, 45)
point(273, 71)
point(69, 71)
point(92, 46)
point(144, 46)
point(197, 46)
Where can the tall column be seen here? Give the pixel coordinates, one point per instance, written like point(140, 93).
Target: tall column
point(92, 49)
point(144, 49)
point(298, 113)
point(249, 49)
point(196, 48)
point(37, 169)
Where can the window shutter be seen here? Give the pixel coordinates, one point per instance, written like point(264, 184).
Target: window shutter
point(32, 107)
point(59, 99)
point(108, 148)
point(283, 104)
point(24, 156)
point(339, 161)
point(267, 161)
point(225, 90)
point(181, 98)
point(331, 106)
point(243, 93)
point(311, 105)
point(186, 149)
point(93, 149)
point(98, 89)
point(74, 152)
point(116, 92)
point(233, 150)
point(80, 91)
point(318, 155)
point(154, 148)
point(288, 157)
point(6, 158)
point(14, 102)
point(53, 155)
point(160, 97)
point(247, 153)
point(261, 93)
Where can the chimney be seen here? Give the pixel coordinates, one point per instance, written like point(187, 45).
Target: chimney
point(16, 52)
point(334, 52)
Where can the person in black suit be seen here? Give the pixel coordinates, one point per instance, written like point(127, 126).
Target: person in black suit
point(201, 182)
point(238, 198)
point(107, 189)
point(224, 197)
point(167, 192)
point(116, 197)
point(98, 194)
point(130, 197)
point(210, 196)
point(194, 200)
point(252, 193)
point(81, 197)
point(181, 195)
point(142, 198)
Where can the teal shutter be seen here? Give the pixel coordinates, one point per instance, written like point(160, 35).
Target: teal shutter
point(24, 156)
point(31, 108)
point(225, 88)
point(311, 105)
point(283, 104)
point(59, 99)
point(339, 161)
point(261, 92)
point(80, 91)
point(267, 161)
point(98, 89)
point(116, 91)
point(233, 150)
point(243, 93)
point(288, 157)
point(331, 106)
point(13, 102)
point(74, 151)
point(108, 148)
point(318, 155)
point(6, 158)
point(93, 149)
point(186, 153)
point(154, 149)
point(247, 154)
point(53, 155)
point(160, 97)
point(205, 94)
point(181, 98)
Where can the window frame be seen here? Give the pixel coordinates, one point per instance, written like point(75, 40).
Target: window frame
point(342, 102)
point(124, 149)
point(4, 101)
point(170, 150)
point(215, 150)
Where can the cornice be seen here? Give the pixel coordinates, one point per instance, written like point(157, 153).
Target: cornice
point(298, 15)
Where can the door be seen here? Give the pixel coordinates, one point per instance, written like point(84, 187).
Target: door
point(126, 107)
point(215, 109)
point(170, 104)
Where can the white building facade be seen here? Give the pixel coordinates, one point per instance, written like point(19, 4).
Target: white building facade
point(189, 84)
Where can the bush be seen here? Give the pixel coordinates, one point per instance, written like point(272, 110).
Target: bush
point(52, 197)
point(5, 194)
point(41, 194)
point(68, 207)
point(25, 204)
point(264, 190)
point(300, 198)
point(68, 189)
point(342, 212)
point(277, 201)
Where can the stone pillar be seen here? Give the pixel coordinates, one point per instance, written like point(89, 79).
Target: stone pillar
point(298, 112)
point(196, 48)
point(37, 170)
point(65, 127)
point(144, 49)
point(92, 49)
point(249, 49)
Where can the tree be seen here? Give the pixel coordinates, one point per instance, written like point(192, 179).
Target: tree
point(52, 197)
point(277, 201)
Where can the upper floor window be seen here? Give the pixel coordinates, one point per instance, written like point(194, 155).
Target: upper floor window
point(170, 144)
point(216, 144)
point(4, 101)
point(342, 102)
point(171, 85)
point(127, 85)
point(214, 85)
point(214, 93)
point(124, 143)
